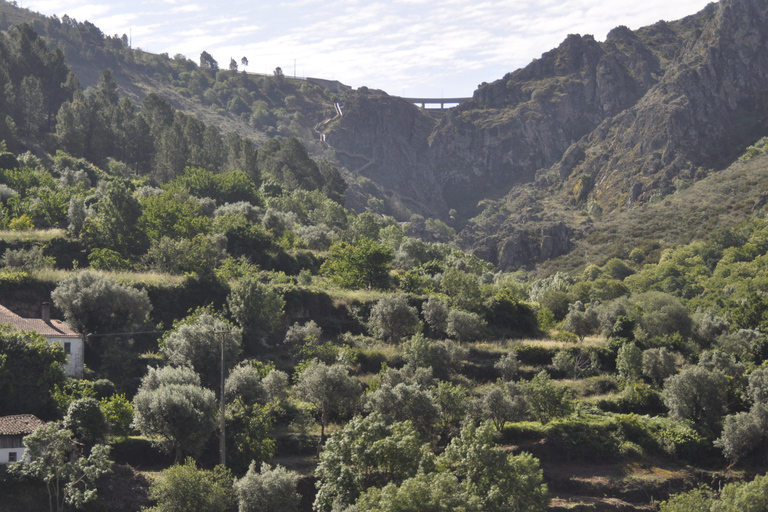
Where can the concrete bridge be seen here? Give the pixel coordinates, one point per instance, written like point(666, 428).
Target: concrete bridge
point(438, 101)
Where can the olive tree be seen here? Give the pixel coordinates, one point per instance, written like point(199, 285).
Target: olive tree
point(268, 490)
point(330, 389)
point(172, 408)
point(92, 303)
point(464, 326)
point(581, 320)
point(507, 366)
point(658, 364)
point(696, 394)
point(196, 342)
point(435, 313)
point(392, 319)
point(406, 402)
point(504, 402)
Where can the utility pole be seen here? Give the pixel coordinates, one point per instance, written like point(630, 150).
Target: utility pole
point(222, 442)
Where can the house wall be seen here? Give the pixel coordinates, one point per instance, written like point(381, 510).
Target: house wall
point(76, 358)
point(16, 443)
point(4, 452)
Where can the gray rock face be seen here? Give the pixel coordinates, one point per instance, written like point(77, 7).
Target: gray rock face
point(614, 122)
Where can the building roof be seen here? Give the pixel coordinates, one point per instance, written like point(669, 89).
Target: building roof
point(20, 424)
point(52, 329)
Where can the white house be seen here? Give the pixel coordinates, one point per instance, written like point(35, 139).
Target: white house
point(13, 429)
point(55, 331)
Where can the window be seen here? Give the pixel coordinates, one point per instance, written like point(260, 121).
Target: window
point(11, 456)
point(67, 347)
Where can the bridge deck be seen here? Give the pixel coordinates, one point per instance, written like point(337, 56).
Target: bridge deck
point(437, 101)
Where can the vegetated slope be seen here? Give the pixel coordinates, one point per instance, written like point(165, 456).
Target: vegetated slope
point(721, 200)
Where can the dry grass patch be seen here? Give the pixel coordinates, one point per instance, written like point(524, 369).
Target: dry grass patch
point(148, 278)
point(38, 235)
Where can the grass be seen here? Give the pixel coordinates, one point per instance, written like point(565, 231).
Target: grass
point(38, 235)
point(148, 278)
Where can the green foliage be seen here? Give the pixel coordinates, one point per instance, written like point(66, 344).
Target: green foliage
point(330, 389)
point(86, 421)
point(30, 370)
point(196, 341)
point(269, 490)
point(546, 400)
point(629, 361)
point(366, 453)
point(365, 264)
point(69, 477)
point(256, 307)
point(464, 326)
point(187, 488)
point(118, 412)
point(392, 319)
point(175, 411)
point(92, 303)
point(697, 394)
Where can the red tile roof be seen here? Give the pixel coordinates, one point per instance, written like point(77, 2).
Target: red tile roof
point(20, 424)
point(52, 329)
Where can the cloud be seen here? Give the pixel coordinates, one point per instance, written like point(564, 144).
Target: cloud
point(418, 45)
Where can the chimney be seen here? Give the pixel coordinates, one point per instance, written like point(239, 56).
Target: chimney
point(47, 312)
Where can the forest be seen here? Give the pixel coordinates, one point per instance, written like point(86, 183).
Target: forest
point(371, 364)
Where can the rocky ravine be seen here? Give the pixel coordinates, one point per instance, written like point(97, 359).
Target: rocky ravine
point(613, 122)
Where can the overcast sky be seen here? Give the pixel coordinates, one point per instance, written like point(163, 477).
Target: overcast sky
point(405, 47)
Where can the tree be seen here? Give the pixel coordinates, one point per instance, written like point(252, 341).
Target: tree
point(392, 319)
point(365, 264)
point(629, 361)
point(464, 326)
point(31, 101)
point(115, 225)
point(208, 63)
point(93, 303)
point(86, 421)
point(196, 342)
point(697, 394)
point(406, 402)
point(546, 400)
point(255, 306)
point(366, 452)
point(69, 477)
point(463, 289)
point(425, 492)
point(581, 320)
point(742, 432)
point(504, 402)
point(436, 315)
point(179, 416)
point(244, 61)
point(186, 488)
point(658, 364)
point(30, 369)
point(507, 366)
point(330, 389)
point(232, 65)
point(269, 490)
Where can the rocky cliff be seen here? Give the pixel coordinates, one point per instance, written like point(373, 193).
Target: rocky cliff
point(611, 124)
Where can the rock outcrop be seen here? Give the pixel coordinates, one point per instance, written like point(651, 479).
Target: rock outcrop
point(612, 123)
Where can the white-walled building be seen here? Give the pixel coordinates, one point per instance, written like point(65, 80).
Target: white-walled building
point(13, 429)
point(55, 331)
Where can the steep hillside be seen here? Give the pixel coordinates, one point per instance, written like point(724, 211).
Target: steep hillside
point(611, 125)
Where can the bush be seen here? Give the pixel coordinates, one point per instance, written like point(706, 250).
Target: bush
point(392, 319)
point(269, 490)
point(465, 326)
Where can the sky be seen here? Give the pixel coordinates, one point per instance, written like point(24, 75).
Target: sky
point(412, 48)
